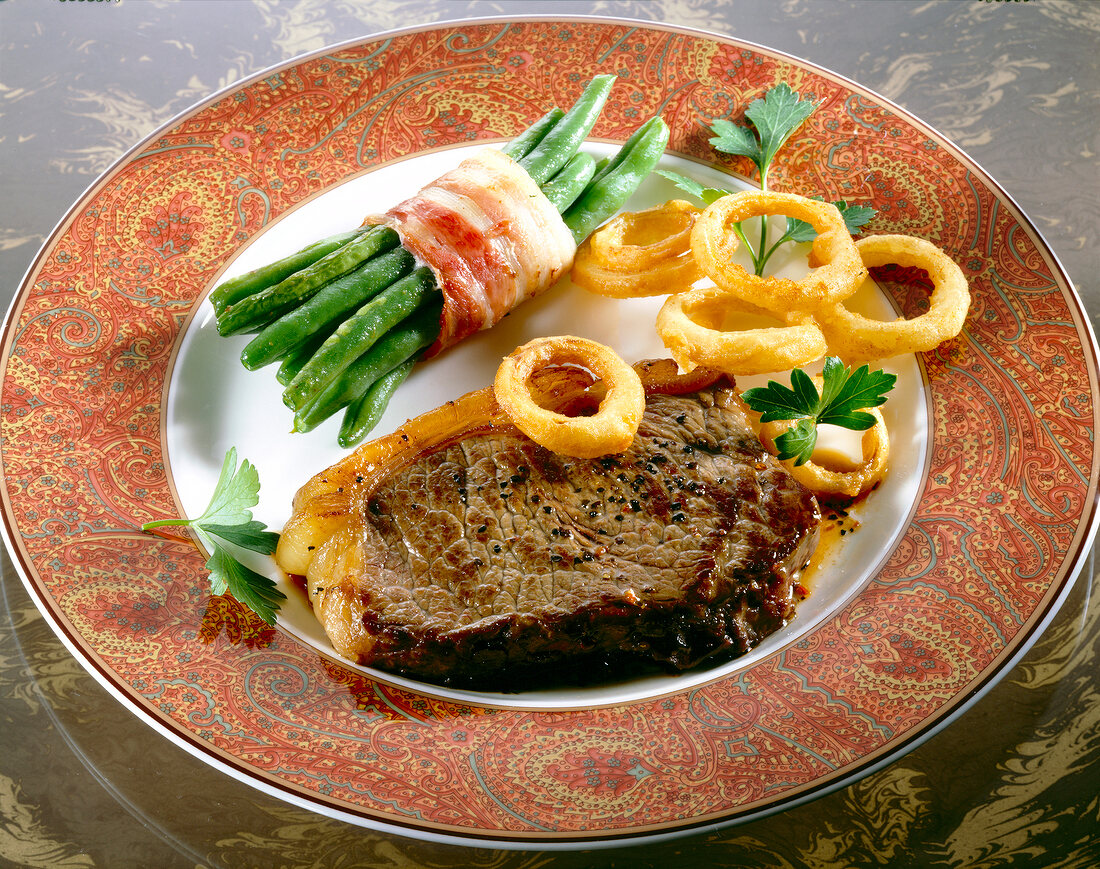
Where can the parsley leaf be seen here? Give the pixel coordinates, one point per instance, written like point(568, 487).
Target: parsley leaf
point(690, 185)
point(729, 138)
point(248, 535)
point(228, 519)
point(855, 216)
point(798, 442)
point(236, 492)
point(256, 591)
point(775, 118)
point(844, 395)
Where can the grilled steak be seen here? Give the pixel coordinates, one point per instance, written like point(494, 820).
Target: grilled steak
point(492, 563)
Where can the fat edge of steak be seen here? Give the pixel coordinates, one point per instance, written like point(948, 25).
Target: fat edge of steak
point(502, 565)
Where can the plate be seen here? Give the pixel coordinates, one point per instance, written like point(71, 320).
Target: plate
point(119, 401)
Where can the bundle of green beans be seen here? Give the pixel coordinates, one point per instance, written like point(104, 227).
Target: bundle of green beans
point(348, 316)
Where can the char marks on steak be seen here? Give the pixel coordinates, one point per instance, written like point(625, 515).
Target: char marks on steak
point(492, 563)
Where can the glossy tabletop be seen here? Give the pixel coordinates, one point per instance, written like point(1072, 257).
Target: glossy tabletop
point(84, 783)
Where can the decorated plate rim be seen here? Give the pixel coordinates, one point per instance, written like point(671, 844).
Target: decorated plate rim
point(1067, 569)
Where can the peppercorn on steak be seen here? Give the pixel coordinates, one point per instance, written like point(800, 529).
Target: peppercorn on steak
point(457, 551)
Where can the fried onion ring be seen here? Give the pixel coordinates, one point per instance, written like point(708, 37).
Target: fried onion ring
point(838, 484)
point(613, 426)
point(855, 338)
point(836, 271)
point(687, 324)
point(643, 253)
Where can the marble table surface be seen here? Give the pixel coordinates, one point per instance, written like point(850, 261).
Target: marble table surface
point(1015, 84)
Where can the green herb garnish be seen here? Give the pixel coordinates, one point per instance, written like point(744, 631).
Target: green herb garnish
point(774, 120)
point(844, 395)
point(855, 216)
point(228, 519)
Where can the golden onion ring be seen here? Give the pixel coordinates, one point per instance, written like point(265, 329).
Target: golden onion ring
point(856, 338)
point(749, 351)
point(836, 271)
point(613, 426)
point(835, 484)
point(643, 253)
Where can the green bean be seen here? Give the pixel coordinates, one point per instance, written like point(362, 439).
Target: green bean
point(569, 182)
point(293, 361)
point(359, 332)
point(362, 415)
point(612, 161)
point(522, 144)
point(399, 345)
point(350, 323)
point(254, 312)
point(233, 290)
point(603, 198)
point(330, 304)
point(559, 145)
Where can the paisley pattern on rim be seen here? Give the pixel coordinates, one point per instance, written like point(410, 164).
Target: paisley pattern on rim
point(1006, 506)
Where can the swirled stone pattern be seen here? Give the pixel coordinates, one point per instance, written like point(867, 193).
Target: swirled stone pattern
point(1008, 496)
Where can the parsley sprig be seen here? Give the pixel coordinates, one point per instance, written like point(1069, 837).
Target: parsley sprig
point(844, 396)
point(228, 519)
point(774, 119)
